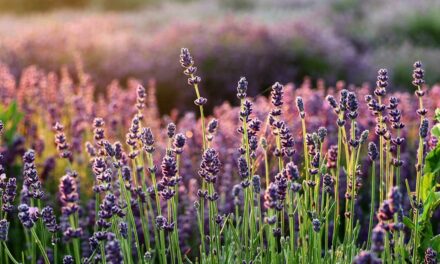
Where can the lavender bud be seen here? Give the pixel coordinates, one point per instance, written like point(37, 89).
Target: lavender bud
point(263, 143)
point(295, 187)
point(242, 88)
point(69, 196)
point(68, 259)
point(322, 133)
point(147, 136)
point(352, 102)
point(179, 141)
point(423, 131)
point(243, 169)
point(93, 243)
point(292, 171)
point(277, 94)
point(186, 59)
point(372, 151)
point(236, 190)
point(10, 191)
point(364, 136)
point(316, 224)
point(430, 256)
point(378, 239)
point(49, 219)
point(366, 257)
point(327, 181)
point(332, 101)
point(381, 83)
point(4, 228)
point(256, 182)
point(123, 229)
point(171, 130)
point(25, 217)
point(418, 74)
point(113, 254)
point(200, 101)
point(300, 104)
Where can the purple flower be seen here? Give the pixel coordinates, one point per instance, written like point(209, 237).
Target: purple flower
point(378, 239)
point(9, 195)
point(291, 171)
point(108, 209)
point(170, 178)
point(68, 259)
point(332, 102)
point(49, 219)
point(147, 139)
point(236, 189)
point(68, 194)
point(366, 257)
point(271, 196)
point(27, 216)
point(423, 131)
point(300, 106)
point(212, 126)
point(381, 83)
point(372, 151)
point(277, 94)
point(93, 243)
point(243, 169)
point(430, 256)
point(113, 253)
point(141, 95)
point(171, 130)
point(316, 224)
point(132, 136)
point(256, 183)
point(30, 176)
point(123, 229)
point(210, 165)
point(242, 87)
point(162, 224)
point(418, 74)
point(61, 142)
point(327, 181)
point(332, 156)
point(179, 143)
point(186, 59)
point(4, 228)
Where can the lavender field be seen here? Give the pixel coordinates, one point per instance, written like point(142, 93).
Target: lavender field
point(269, 141)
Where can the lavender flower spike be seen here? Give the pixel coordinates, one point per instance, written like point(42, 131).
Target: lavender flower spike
point(4, 228)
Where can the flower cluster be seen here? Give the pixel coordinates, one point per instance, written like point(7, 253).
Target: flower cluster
point(31, 182)
point(61, 142)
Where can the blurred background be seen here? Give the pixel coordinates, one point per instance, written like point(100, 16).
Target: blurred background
point(264, 40)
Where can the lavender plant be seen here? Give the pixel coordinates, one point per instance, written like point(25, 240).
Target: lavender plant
point(280, 180)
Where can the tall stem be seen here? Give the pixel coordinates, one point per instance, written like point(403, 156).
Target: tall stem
point(38, 242)
point(419, 176)
point(372, 202)
point(202, 201)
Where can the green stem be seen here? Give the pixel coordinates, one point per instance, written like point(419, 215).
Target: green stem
point(9, 254)
point(38, 242)
point(372, 203)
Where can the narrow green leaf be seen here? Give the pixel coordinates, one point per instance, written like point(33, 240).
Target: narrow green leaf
point(427, 185)
point(408, 222)
point(435, 243)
